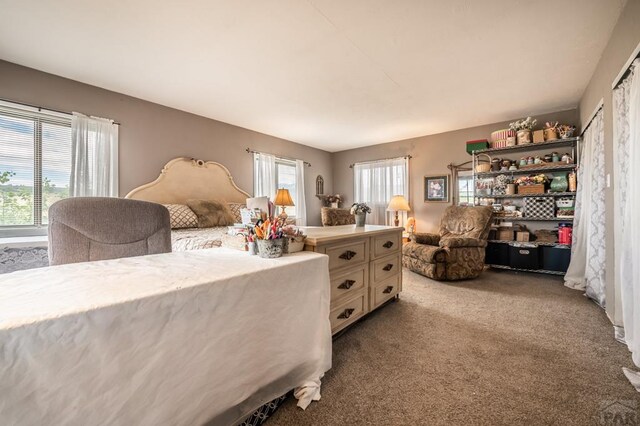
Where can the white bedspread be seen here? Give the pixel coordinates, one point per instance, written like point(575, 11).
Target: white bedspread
point(178, 338)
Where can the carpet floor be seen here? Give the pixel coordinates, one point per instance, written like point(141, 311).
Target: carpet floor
point(505, 349)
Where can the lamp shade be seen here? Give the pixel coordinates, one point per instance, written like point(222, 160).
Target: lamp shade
point(398, 203)
point(283, 198)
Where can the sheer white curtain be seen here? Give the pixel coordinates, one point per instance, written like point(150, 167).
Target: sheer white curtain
point(627, 134)
point(264, 175)
point(94, 157)
point(587, 268)
point(376, 182)
point(299, 201)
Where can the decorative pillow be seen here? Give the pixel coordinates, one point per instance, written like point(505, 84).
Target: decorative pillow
point(235, 211)
point(211, 213)
point(181, 216)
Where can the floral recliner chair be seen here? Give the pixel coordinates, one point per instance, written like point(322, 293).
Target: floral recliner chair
point(458, 251)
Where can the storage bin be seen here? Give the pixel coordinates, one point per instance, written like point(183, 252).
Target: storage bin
point(539, 207)
point(524, 256)
point(531, 189)
point(497, 254)
point(555, 258)
point(477, 145)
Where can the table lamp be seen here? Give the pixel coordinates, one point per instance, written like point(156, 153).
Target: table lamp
point(283, 199)
point(398, 203)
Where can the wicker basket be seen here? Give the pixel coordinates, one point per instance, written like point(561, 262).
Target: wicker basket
point(531, 189)
point(483, 167)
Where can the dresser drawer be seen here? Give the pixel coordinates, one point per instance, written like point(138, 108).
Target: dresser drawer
point(385, 291)
point(347, 254)
point(385, 267)
point(386, 244)
point(348, 312)
point(344, 284)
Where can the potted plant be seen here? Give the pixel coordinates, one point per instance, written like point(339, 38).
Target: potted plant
point(360, 211)
point(523, 129)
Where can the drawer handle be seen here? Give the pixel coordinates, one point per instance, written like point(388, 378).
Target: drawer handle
point(346, 314)
point(388, 244)
point(348, 255)
point(347, 284)
point(388, 290)
point(388, 267)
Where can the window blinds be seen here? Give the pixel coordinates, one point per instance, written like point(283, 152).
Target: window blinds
point(35, 161)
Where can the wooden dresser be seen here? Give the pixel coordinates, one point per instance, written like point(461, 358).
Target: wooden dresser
point(365, 267)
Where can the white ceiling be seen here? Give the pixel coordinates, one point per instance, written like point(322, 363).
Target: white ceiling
point(333, 74)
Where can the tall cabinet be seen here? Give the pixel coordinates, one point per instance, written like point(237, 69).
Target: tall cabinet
point(552, 257)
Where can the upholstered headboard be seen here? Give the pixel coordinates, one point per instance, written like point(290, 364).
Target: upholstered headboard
point(184, 178)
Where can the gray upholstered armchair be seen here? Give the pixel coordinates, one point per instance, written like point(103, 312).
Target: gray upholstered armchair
point(335, 217)
point(457, 252)
point(95, 228)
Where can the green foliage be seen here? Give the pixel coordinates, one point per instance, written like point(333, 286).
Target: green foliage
point(16, 201)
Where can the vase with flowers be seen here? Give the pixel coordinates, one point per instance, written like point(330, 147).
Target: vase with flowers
point(269, 237)
point(334, 200)
point(294, 239)
point(523, 129)
point(360, 211)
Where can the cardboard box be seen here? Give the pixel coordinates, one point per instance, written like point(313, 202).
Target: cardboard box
point(505, 234)
point(538, 136)
point(522, 236)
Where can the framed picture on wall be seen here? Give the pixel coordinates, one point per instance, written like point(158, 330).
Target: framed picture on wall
point(436, 189)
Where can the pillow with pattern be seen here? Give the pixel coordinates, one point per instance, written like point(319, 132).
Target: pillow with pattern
point(181, 216)
point(236, 211)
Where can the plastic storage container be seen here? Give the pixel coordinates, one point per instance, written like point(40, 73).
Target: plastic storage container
point(497, 254)
point(555, 258)
point(524, 256)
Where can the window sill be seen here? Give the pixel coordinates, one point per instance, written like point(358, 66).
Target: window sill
point(22, 242)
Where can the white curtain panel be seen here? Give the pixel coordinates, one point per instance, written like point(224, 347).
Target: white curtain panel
point(264, 175)
point(376, 182)
point(587, 268)
point(300, 202)
point(94, 157)
point(628, 115)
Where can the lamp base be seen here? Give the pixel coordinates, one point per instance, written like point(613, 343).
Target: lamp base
point(283, 215)
point(396, 220)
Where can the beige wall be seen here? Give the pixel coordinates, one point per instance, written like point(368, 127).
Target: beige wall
point(431, 155)
point(624, 39)
point(151, 134)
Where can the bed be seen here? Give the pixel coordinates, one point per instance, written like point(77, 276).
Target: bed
point(183, 179)
point(176, 338)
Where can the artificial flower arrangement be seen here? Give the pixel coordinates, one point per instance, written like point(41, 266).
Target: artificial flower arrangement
point(524, 124)
point(266, 230)
point(359, 208)
point(334, 198)
point(533, 180)
point(566, 131)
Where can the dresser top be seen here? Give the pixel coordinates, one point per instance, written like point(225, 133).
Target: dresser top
point(325, 234)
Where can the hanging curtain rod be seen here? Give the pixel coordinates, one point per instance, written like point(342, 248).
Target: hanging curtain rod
point(409, 157)
point(593, 115)
point(41, 109)
point(250, 151)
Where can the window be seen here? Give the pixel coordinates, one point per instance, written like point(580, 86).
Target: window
point(286, 178)
point(465, 189)
point(376, 182)
point(272, 173)
point(35, 165)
